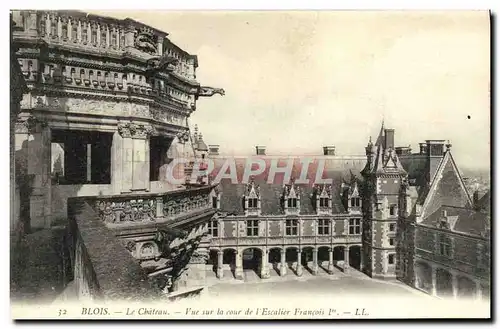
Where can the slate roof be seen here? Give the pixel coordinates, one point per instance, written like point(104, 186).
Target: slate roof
point(339, 169)
point(447, 188)
point(484, 204)
point(464, 220)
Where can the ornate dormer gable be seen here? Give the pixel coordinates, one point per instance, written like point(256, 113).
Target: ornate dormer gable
point(322, 199)
point(291, 198)
point(251, 199)
point(446, 221)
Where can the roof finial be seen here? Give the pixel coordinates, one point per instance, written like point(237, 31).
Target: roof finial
point(448, 145)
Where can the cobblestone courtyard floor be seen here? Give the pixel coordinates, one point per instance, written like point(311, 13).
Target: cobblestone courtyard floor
point(351, 284)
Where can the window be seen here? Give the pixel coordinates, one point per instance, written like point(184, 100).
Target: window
point(391, 259)
point(355, 202)
point(291, 227)
point(355, 226)
point(252, 203)
point(213, 228)
point(391, 241)
point(214, 202)
point(323, 227)
point(444, 246)
point(253, 227)
point(323, 202)
point(392, 210)
point(292, 203)
point(392, 227)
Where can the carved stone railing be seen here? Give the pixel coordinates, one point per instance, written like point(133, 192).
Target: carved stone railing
point(151, 207)
point(102, 268)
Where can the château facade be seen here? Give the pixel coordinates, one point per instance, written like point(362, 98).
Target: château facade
point(105, 111)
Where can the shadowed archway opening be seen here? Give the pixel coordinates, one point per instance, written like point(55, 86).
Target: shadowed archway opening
point(423, 276)
point(229, 260)
point(323, 258)
point(252, 259)
point(213, 259)
point(355, 257)
point(443, 283)
point(275, 258)
point(466, 288)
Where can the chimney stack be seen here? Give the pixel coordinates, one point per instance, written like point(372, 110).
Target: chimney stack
point(329, 150)
point(389, 138)
point(260, 150)
point(213, 149)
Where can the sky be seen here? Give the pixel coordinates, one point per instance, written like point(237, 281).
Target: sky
point(297, 81)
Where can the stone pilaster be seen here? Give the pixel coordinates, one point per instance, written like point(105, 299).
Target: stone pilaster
point(220, 264)
point(434, 284)
point(299, 262)
point(264, 268)
point(135, 157)
point(283, 262)
point(346, 259)
point(38, 148)
point(238, 273)
point(315, 261)
point(330, 260)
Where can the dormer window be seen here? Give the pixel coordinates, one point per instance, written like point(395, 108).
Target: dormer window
point(214, 202)
point(252, 202)
point(323, 202)
point(291, 199)
point(355, 202)
point(252, 199)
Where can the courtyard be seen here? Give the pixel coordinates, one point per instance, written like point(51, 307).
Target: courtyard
point(322, 285)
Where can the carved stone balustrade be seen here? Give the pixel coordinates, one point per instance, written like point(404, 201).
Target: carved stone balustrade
point(152, 207)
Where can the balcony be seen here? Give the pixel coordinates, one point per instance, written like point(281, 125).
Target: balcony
point(151, 209)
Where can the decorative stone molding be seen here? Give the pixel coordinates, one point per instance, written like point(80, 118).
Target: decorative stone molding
point(134, 130)
point(183, 136)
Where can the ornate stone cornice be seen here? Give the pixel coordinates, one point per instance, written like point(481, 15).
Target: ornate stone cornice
point(134, 130)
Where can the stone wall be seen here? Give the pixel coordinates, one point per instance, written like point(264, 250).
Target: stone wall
point(103, 268)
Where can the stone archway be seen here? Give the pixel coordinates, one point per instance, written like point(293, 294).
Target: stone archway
point(275, 258)
point(306, 258)
point(229, 260)
point(423, 276)
point(252, 259)
point(466, 288)
point(323, 257)
point(213, 259)
point(291, 258)
point(355, 257)
point(443, 283)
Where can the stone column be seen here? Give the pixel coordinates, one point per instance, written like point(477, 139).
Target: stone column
point(299, 262)
point(330, 260)
point(135, 157)
point(479, 292)
point(238, 273)
point(346, 259)
point(283, 262)
point(454, 285)
point(117, 162)
point(264, 267)
point(39, 169)
point(433, 274)
point(315, 261)
point(220, 269)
